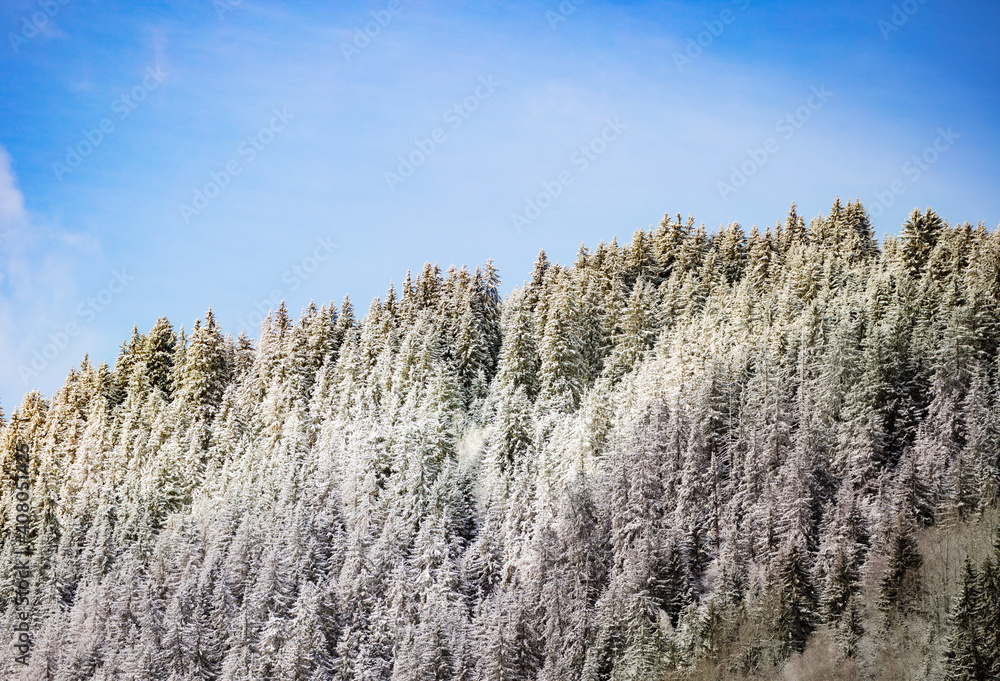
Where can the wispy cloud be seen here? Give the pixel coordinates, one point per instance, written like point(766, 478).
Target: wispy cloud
point(11, 200)
point(39, 273)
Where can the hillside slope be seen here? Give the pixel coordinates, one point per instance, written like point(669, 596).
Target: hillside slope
point(693, 456)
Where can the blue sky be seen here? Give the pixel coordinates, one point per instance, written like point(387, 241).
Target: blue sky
point(114, 115)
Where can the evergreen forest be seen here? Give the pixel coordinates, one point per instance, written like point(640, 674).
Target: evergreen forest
point(695, 455)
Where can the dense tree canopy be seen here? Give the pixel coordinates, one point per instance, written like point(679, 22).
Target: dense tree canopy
point(697, 451)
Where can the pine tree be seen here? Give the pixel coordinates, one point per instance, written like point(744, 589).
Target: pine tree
point(851, 629)
point(638, 259)
point(842, 551)
point(158, 355)
point(473, 353)
point(900, 583)
point(794, 232)
point(669, 240)
point(860, 234)
point(640, 324)
point(989, 610)
point(795, 594)
point(538, 275)
point(758, 258)
point(205, 371)
point(519, 361)
point(920, 235)
point(731, 252)
point(964, 654)
point(562, 370)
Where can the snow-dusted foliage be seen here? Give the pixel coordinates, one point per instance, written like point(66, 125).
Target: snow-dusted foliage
point(697, 450)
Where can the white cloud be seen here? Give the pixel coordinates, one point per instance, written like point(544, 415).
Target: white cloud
point(11, 199)
point(39, 272)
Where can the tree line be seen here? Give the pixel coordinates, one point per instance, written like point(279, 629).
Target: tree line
point(694, 455)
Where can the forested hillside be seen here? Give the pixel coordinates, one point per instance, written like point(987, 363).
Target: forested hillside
point(697, 455)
